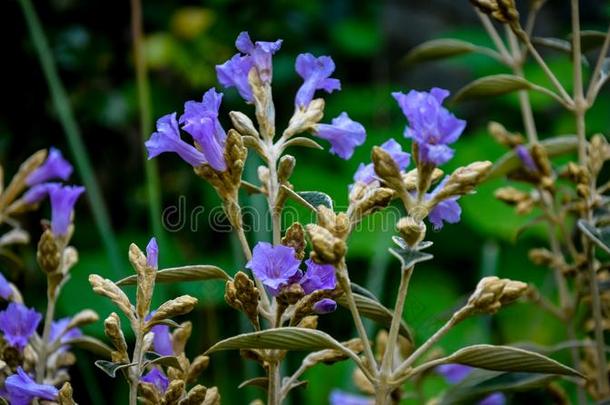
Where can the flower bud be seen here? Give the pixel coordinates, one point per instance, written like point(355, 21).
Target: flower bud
point(503, 137)
point(243, 124)
point(291, 294)
point(199, 365)
point(248, 295)
point(295, 238)
point(112, 329)
point(285, 168)
point(541, 257)
point(326, 247)
point(176, 307)
point(49, 252)
point(412, 231)
point(386, 168)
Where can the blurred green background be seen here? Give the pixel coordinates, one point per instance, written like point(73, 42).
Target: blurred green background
point(91, 43)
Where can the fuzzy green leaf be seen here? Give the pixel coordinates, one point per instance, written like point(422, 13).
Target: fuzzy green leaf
point(258, 382)
point(599, 236)
point(494, 85)
point(316, 198)
point(438, 49)
point(167, 361)
point(288, 338)
point(409, 256)
point(185, 273)
point(506, 358)
point(556, 146)
point(303, 141)
point(111, 368)
point(375, 311)
point(90, 344)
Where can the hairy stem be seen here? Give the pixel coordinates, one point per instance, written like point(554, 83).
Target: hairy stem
point(41, 365)
point(135, 371)
point(591, 91)
point(274, 386)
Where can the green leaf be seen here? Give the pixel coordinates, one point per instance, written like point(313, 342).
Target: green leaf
point(494, 85)
point(91, 344)
point(374, 310)
point(555, 146)
point(316, 198)
point(506, 358)
point(185, 273)
point(167, 361)
point(111, 368)
point(410, 256)
point(288, 338)
point(302, 141)
point(557, 44)
point(259, 382)
point(480, 383)
point(358, 289)
point(599, 236)
point(438, 49)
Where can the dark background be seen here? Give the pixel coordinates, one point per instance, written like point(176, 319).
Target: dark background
point(91, 42)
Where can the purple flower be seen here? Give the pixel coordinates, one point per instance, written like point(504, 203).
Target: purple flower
point(200, 119)
point(445, 211)
point(274, 266)
point(234, 73)
point(260, 53)
point(38, 192)
point(58, 328)
point(338, 397)
point(152, 253)
point(316, 75)
point(318, 277)
point(431, 125)
point(324, 306)
point(157, 378)
point(55, 166)
point(5, 288)
point(18, 323)
point(162, 341)
point(344, 135)
point(497, 398)
point(22, 389)
point(454, 373)
point(63, 199)
point(526, 158)
point(366, 173)
point(167, 139)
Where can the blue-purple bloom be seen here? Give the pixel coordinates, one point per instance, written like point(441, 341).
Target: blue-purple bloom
point(316, 75)
point(338, 397)
point(445, 211)
point(526, 158)
point(152, 253)
point(22, 389)
point(58, 328)
point(318, 277)
point(234, 73)
point(167, 139)
point(260, 53)
point(157, 378)
point(162, 341)
point(344, 135)
point(200, 120)
point(366, 173)
point(5, 288)
point(55, 166)
point(456, 373)
point(38, 192)
point(18, 323)
point(275, 266)
point(431, 125)
point(63, 199)
point(324, 306)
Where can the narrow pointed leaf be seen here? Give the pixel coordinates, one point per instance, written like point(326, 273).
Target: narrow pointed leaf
point(590, 40)
point(259, 382)
point(90, 344)
point(506, 358)
point(316, 198)
point(167, 361)
point(409, 257)
point(557, 44)
point(438, 49)
point(303, 141)
point(492, 86)
point(358, 289)
point(375, 311)
point(185, 273)
point(111, 368)
point(556, 146)
point(289, 338)
point(599, 236)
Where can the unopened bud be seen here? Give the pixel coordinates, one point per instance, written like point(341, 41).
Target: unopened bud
point(291, 294)
point(199, 365)
point(504, 137)
point(541, 257)
point(412, 231)
point(326, 247)
point(49, 252)
point(309, 322)
point(243, 124)
point(295, 238)
point(176, 307)
point(285, 168)
point(195, 396)
point(248, 295)
point(386, 168)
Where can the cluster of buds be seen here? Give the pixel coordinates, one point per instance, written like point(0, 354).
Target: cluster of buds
point(522, 201)
point(242, 294)
point(503, 11)
point(328, 236)
point(493, 292)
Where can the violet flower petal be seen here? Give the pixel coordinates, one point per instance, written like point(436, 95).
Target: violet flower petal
point(22, 389)
point(318, 277)
point(324, 306)
point(157, 378)
point(152, 253)
point(54, 167)
point(274, 266)
point(316, 75)
point(5, 288)
point(63, 199)
point(344, 135)
point(167, 139)
point(18, 323)
point(234, 73)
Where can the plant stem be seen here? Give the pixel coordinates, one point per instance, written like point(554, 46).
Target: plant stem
point(495, 37)
point(344, 282)
point(150, 166)
point(41, 364)
point(273, 389)
point(72, 132)
point(591, 91)
point(135, 371)
point(455, 318)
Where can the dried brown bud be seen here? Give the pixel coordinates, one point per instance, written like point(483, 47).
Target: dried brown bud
point(503, 11)
point(248, 295)
point(173, 392)
point(18, 183)
point(412, 231)
point(82, 318)
point(112, 329)
point(243, 124)
point(290, 294)
point(326, 247)
point(176, 307)
point(212, 397)
point(295, 238)
point(180, 336)
point(110, 290)
point(493, 292)
point(199, 364)
point(462, 181)
point(65, 395)
point(503, 137)
point(49, 252)
point(148, 393)
point(195, 396)
point(410, 179)
point(309, 322)
point(387, 169)
point(231, 296)
point(373, 200)
point(541, 257)
point(599, 152)
point(541, 158)
point(235, 155)
point(285, 168)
